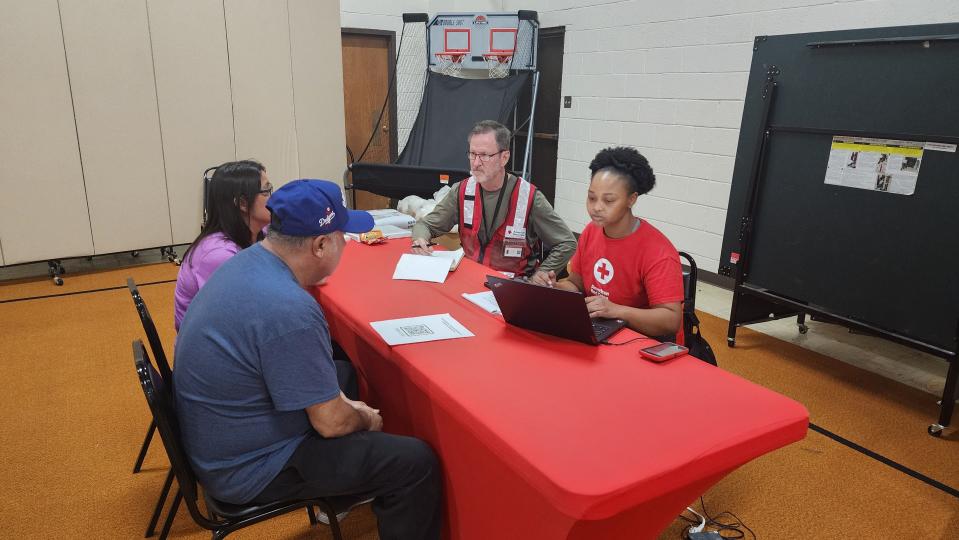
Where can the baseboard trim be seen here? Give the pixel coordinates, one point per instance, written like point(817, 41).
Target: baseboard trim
point(713, 278)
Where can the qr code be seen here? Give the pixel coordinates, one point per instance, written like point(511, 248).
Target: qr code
point(415, 330)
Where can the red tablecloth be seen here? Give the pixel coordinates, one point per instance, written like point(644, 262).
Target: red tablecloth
point(542, 437)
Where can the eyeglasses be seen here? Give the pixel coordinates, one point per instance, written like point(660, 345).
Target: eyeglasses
point(484, 158)
point(268, 190)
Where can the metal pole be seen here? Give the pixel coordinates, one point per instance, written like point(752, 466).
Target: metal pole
point(529, 130)
point(512, 150)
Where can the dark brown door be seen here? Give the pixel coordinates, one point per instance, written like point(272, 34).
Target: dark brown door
point(546, 120)
point(368, 57)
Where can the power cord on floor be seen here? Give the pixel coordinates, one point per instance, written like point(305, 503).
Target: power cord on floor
point(726, 524)
point(697, 528)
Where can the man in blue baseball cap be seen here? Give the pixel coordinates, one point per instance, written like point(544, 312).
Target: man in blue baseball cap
point(258, 394)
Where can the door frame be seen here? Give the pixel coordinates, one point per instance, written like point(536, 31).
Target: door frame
point(391, 91)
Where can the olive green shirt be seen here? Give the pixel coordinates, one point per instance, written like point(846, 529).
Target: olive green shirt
point(543, 224)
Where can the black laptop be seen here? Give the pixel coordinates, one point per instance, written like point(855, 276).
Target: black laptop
point(551, 311)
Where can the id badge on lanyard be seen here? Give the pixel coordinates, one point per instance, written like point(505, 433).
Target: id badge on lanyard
point(514, 241)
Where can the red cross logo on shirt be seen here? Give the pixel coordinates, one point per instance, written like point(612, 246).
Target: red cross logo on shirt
point(603, 271)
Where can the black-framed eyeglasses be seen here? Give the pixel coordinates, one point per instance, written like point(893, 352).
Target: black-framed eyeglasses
point(268, 190)
point(484, 158)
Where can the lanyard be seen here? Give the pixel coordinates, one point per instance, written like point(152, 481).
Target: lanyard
point(499, 202)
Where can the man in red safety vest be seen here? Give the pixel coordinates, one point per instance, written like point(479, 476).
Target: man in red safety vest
point(504, 221)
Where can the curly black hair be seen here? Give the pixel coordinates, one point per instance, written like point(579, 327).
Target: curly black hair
point(628, 163)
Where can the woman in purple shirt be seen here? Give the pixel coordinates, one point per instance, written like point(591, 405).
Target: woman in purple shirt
point(236, 216)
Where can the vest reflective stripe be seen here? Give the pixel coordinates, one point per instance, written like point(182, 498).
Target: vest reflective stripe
point(522, 201)
point(468, 205)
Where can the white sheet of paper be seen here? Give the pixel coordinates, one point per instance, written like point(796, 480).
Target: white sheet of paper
point(454, 256)
point(422, 268)
point(485, 300)
point(420, 329)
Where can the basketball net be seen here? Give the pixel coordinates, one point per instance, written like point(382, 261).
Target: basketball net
point(498, 64)
point(450, 64)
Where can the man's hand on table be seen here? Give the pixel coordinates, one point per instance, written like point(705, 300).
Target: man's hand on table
point(421, 246)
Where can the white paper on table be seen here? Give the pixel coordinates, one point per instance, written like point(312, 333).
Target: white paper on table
point(422, 268)
point(420, 329)
point(485, 300)
point(456, 256)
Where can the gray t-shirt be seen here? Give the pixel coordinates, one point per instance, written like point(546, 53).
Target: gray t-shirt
point(252, 353)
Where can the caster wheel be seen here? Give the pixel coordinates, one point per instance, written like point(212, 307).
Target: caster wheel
point(134, 253)
point(58, 281)
point(803, 328)
point(730, 342)
point(935, 430)
point(176, 261)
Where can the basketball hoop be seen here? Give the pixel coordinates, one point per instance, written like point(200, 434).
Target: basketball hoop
point(449, 63)
point(498, 63)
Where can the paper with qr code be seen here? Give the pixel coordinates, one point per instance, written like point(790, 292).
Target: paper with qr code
point(420, 329)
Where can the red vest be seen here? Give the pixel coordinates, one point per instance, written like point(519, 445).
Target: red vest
point(511, 233)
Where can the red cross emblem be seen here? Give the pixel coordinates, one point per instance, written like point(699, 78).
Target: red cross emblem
point(603, 271)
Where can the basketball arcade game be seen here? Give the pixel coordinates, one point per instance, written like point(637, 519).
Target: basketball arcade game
point(475, 66)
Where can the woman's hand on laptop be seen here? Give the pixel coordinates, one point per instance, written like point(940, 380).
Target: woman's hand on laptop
point(600, 306)
point(544, 279)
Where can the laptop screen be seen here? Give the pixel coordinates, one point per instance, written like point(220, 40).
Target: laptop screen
point(548, 310)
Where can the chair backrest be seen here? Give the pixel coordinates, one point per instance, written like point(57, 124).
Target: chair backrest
point(698, 347)
point(160, 399)
point(690, 275)
point(207, 179)
point(150, 329)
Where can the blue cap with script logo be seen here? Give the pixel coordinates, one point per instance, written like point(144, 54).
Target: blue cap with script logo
point(313, 208)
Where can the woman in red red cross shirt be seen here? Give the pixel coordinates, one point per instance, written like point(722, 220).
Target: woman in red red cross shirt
point(626, 268)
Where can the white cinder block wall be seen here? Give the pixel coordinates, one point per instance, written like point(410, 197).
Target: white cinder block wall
point(667, 77)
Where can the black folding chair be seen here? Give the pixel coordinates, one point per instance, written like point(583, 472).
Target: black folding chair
point(150, 329)
point(221, 518)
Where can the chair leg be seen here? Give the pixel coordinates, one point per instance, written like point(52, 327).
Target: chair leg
point(312, 513)
point(334, 521)
point(151, 529)
point(145, 446)
point(335, 527)
point(172, 514)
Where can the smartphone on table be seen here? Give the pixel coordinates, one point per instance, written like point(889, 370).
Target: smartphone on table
point(663, 351)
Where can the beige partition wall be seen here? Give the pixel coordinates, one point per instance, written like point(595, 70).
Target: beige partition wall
point(43, 210)
point(318, 88)
point(114, 96)
point(258, 36)
point(112, 109)
point(193, 92)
